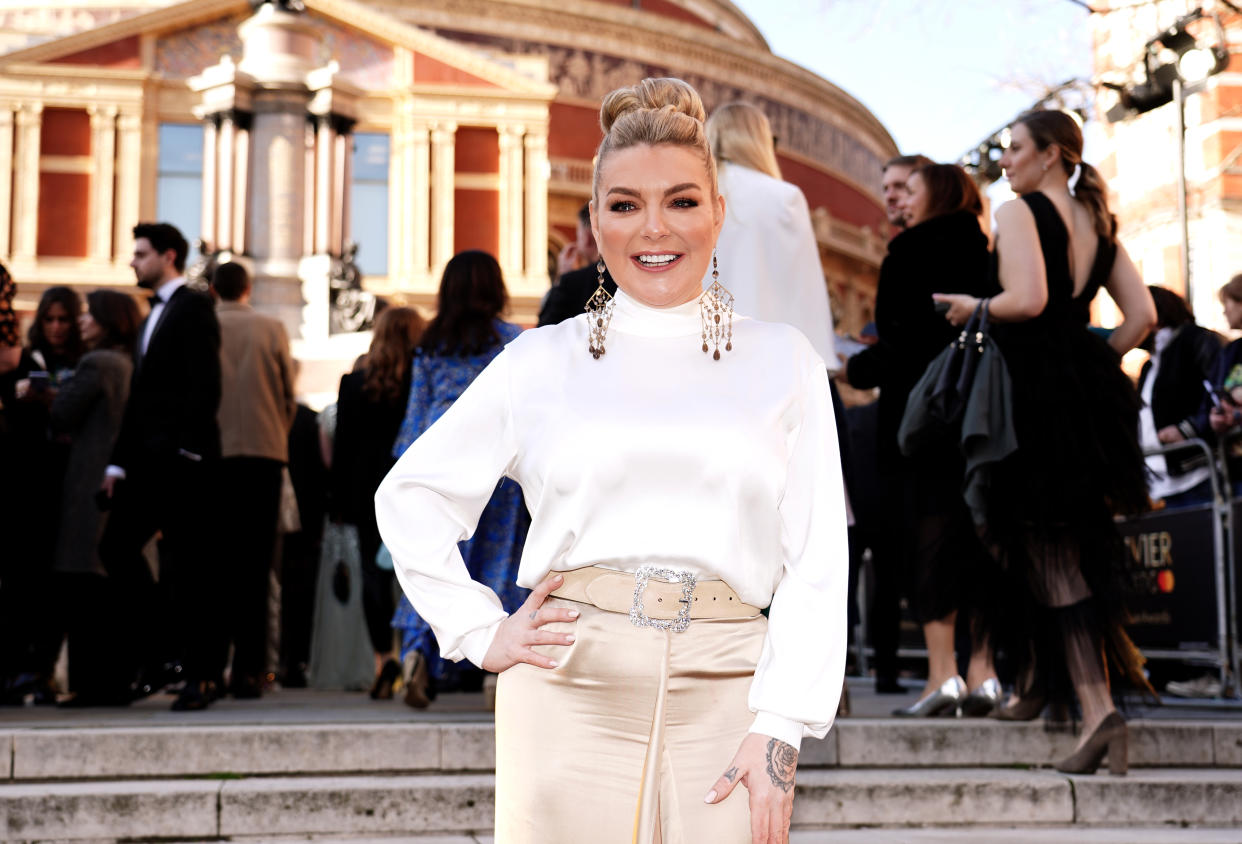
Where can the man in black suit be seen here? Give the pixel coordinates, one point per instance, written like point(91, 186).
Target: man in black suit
point(568, 297)
point(162, 477)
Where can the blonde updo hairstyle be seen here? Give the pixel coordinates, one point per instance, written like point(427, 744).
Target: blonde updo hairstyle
point(739, 133)
point(653, 112)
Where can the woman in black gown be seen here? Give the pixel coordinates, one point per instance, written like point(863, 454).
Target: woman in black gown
point(1051, 505)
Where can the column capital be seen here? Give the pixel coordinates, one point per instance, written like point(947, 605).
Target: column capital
point(510, 136)
point(103, 112)
point(443, 131)
point(536, 140)
point(129, 121)
point(30, 114)
point(338, 123)
point(239, 117)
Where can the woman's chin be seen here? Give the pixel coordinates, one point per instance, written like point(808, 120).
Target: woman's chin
point(660, 293)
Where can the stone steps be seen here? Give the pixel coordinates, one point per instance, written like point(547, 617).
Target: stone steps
point(433, 780)
point(134, 752)
point(461, 804)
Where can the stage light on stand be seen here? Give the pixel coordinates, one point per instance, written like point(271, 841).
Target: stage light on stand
point(1173, 55)
point(1196, 65)
point(1175, 63)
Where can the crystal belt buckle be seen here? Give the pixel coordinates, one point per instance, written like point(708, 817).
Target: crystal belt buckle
point(639, 618)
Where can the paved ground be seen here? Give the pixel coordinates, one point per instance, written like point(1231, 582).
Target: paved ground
point(302, 706)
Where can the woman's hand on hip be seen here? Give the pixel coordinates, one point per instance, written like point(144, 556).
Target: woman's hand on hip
point(766, 766)
point(520, 632)
point(961, 306)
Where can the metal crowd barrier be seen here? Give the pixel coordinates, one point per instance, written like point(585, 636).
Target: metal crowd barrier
point(1176, 571)
point(1167, 591)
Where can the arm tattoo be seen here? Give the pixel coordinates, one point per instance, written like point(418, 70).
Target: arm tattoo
point(782, 763)
point(731, 774)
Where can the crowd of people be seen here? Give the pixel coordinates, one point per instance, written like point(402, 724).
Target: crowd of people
point(678, 432)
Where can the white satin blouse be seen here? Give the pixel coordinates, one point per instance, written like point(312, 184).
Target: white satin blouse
point(654, 454)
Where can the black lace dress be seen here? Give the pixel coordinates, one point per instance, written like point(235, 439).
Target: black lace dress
point(1050, 518)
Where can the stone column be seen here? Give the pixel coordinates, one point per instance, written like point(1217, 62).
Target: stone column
point(241, 182)
point(340, 186)
point(325, 165)
point(128, 178)
point(512, 241)
point(443, 169)
point(211, 152)
point(6, 178)
point(417, 233)
point(347, 180)
point(26, 185)
point(311, 176)
point(103, 164)
point(537, 210)
point(224, 182)
point(278, 222)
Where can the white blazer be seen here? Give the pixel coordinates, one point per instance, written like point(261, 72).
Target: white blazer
point(768, 257)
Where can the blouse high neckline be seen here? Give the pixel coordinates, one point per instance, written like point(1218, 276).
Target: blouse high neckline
point(633, 317)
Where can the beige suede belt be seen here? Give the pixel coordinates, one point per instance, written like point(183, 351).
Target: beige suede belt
point(654, 597)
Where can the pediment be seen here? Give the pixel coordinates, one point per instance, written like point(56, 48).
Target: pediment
point(374, 50)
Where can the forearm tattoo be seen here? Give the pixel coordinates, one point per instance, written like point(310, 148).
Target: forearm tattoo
point(782, 763)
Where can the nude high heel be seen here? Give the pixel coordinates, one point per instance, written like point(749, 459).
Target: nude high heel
point(1110, 737)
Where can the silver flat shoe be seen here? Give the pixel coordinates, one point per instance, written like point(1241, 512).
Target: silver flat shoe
point(981, 702)
point(943, 701)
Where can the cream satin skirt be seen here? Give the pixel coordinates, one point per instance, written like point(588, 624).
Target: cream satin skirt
point(622, 741)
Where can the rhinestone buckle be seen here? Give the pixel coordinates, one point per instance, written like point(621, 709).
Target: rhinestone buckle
point(638, 616)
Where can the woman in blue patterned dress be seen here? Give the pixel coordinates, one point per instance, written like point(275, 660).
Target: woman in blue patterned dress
point(465, 335)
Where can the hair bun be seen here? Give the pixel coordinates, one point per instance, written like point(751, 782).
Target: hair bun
point(656, 94)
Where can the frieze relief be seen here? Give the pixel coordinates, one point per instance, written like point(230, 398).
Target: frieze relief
point(365, 63)
point(21, 28)
point(587, 75)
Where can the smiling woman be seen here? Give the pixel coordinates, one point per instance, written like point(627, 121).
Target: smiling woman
point(640, 683)
point(655, 232)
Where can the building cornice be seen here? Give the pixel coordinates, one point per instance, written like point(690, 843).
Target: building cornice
point(355, 16)
point(169, 18)
point(648, 38)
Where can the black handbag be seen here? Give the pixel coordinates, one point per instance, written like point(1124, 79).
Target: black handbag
point(965, 394)
point(939, 397)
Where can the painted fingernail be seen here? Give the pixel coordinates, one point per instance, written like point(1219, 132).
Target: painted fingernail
point(711, 797)
point(569, 639)
point(574, 613)
point(555, 664)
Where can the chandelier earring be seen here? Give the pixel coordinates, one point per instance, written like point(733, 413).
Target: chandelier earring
point(716, 310)
point(599, 313)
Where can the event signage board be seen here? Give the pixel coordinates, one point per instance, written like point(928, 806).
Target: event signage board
point(1172, 596)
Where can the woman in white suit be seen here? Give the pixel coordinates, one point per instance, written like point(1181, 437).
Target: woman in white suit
point(767, 252)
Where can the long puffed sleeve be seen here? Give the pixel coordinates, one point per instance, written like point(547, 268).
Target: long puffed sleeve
point(432, 499)
point(798, 680)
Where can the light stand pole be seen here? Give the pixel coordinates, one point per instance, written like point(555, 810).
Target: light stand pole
point(1183, 222)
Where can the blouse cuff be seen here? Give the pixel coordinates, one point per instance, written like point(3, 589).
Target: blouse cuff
point(475, 644)
point(768, 724)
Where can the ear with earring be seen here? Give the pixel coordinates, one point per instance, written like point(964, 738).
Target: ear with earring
point(599, 308)
point(716, 310)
